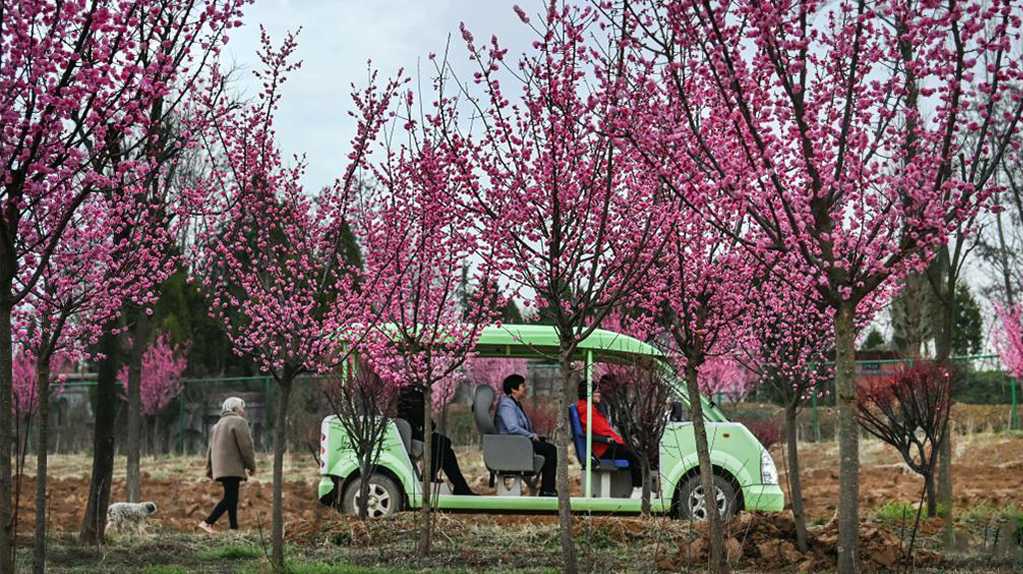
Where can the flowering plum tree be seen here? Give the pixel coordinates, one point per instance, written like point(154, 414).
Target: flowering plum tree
point(70, 127)
point(93, 270)
point(786, 346)
point(417, 241)
point(26, 405)
point(162, 367)
point(270, 256)
point(26, 389)
point(836, 127)
point(705, 279)
point(566, 212)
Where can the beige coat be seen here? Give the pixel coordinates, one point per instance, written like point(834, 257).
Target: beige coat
point(230, 452)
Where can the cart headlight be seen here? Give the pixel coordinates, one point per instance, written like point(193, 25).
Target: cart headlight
point(768, 471)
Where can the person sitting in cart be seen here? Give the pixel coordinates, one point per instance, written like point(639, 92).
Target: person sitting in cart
point(608, 444)
point(410, 407)
point(510, 418)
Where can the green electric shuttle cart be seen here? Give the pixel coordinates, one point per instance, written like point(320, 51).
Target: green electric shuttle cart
point(745, 475)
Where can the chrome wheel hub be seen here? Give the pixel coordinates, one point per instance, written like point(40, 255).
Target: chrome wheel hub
point(698, 503)
point(378, 503)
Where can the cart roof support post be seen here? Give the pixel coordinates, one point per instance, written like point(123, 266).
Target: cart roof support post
point(589, 423)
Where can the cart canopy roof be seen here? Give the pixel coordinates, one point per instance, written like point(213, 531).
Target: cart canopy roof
point(531, 341)
point(534, 340)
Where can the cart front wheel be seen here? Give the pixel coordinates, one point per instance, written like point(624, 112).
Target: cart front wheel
point(692, 503)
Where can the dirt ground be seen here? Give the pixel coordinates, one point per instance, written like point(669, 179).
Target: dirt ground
point(988, 487)
point(988, 470)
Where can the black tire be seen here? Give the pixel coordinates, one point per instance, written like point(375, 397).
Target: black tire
point(689, 503)
point(384, 494)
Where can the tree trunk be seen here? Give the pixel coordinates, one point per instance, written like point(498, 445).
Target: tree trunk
point(718, 563)
point(22, 431)
point(932, 497)
point(569, 563)
point(795, 485)
point(280, 438)
point(7, 437)
point(848, 440)
point(153, 435)
point(133, 442)
point(943, 350)
point(945, 487)
point(365, 470)
point(426, 528)
point(42, 445)
point(644, 464)
point(95, 519)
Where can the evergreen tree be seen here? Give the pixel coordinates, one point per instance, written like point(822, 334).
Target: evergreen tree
point(967, 335)
point(874, 341)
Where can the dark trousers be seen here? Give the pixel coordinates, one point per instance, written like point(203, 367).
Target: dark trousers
point(620, 452)
point(229, 503)
point(550, 465)
point(443, 456)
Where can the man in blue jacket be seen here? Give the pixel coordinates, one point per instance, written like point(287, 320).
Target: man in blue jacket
point(512, 419)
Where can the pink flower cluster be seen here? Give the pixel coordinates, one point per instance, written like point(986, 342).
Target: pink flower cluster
point(26, 395)
point(162, 367)
point(1009, 338)
point(269, 255)
point(725, 376)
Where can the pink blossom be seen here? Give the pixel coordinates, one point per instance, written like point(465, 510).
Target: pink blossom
point(162, 367)
point(25, 380)
point(1009, 338)
point(725, 376)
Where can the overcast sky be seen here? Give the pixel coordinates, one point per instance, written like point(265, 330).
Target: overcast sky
point(337, 38)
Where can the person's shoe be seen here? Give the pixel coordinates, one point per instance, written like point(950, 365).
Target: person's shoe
point(207, 527)
point(637, 493)
point(464, 492)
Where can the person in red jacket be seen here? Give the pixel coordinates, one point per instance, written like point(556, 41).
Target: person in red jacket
point(608, 444)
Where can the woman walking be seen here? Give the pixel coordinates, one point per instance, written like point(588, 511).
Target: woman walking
point(229, 457)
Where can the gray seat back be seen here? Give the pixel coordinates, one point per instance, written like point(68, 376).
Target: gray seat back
point(481, 402)
point(405, 431)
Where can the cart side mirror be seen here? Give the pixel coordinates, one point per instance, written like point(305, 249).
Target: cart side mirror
point(678, 412)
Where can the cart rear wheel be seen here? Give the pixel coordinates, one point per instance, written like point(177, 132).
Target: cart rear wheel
point(384, 497)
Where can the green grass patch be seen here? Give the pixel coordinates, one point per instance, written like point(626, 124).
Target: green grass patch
point(164, 569)
point(896, 511)
point(320, 567)
point(325, 568)
point(985, 512)
point(230, 552)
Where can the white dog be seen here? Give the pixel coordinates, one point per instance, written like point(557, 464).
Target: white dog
point(122, 516)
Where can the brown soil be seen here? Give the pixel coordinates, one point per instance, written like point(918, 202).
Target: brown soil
point(988, 470)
